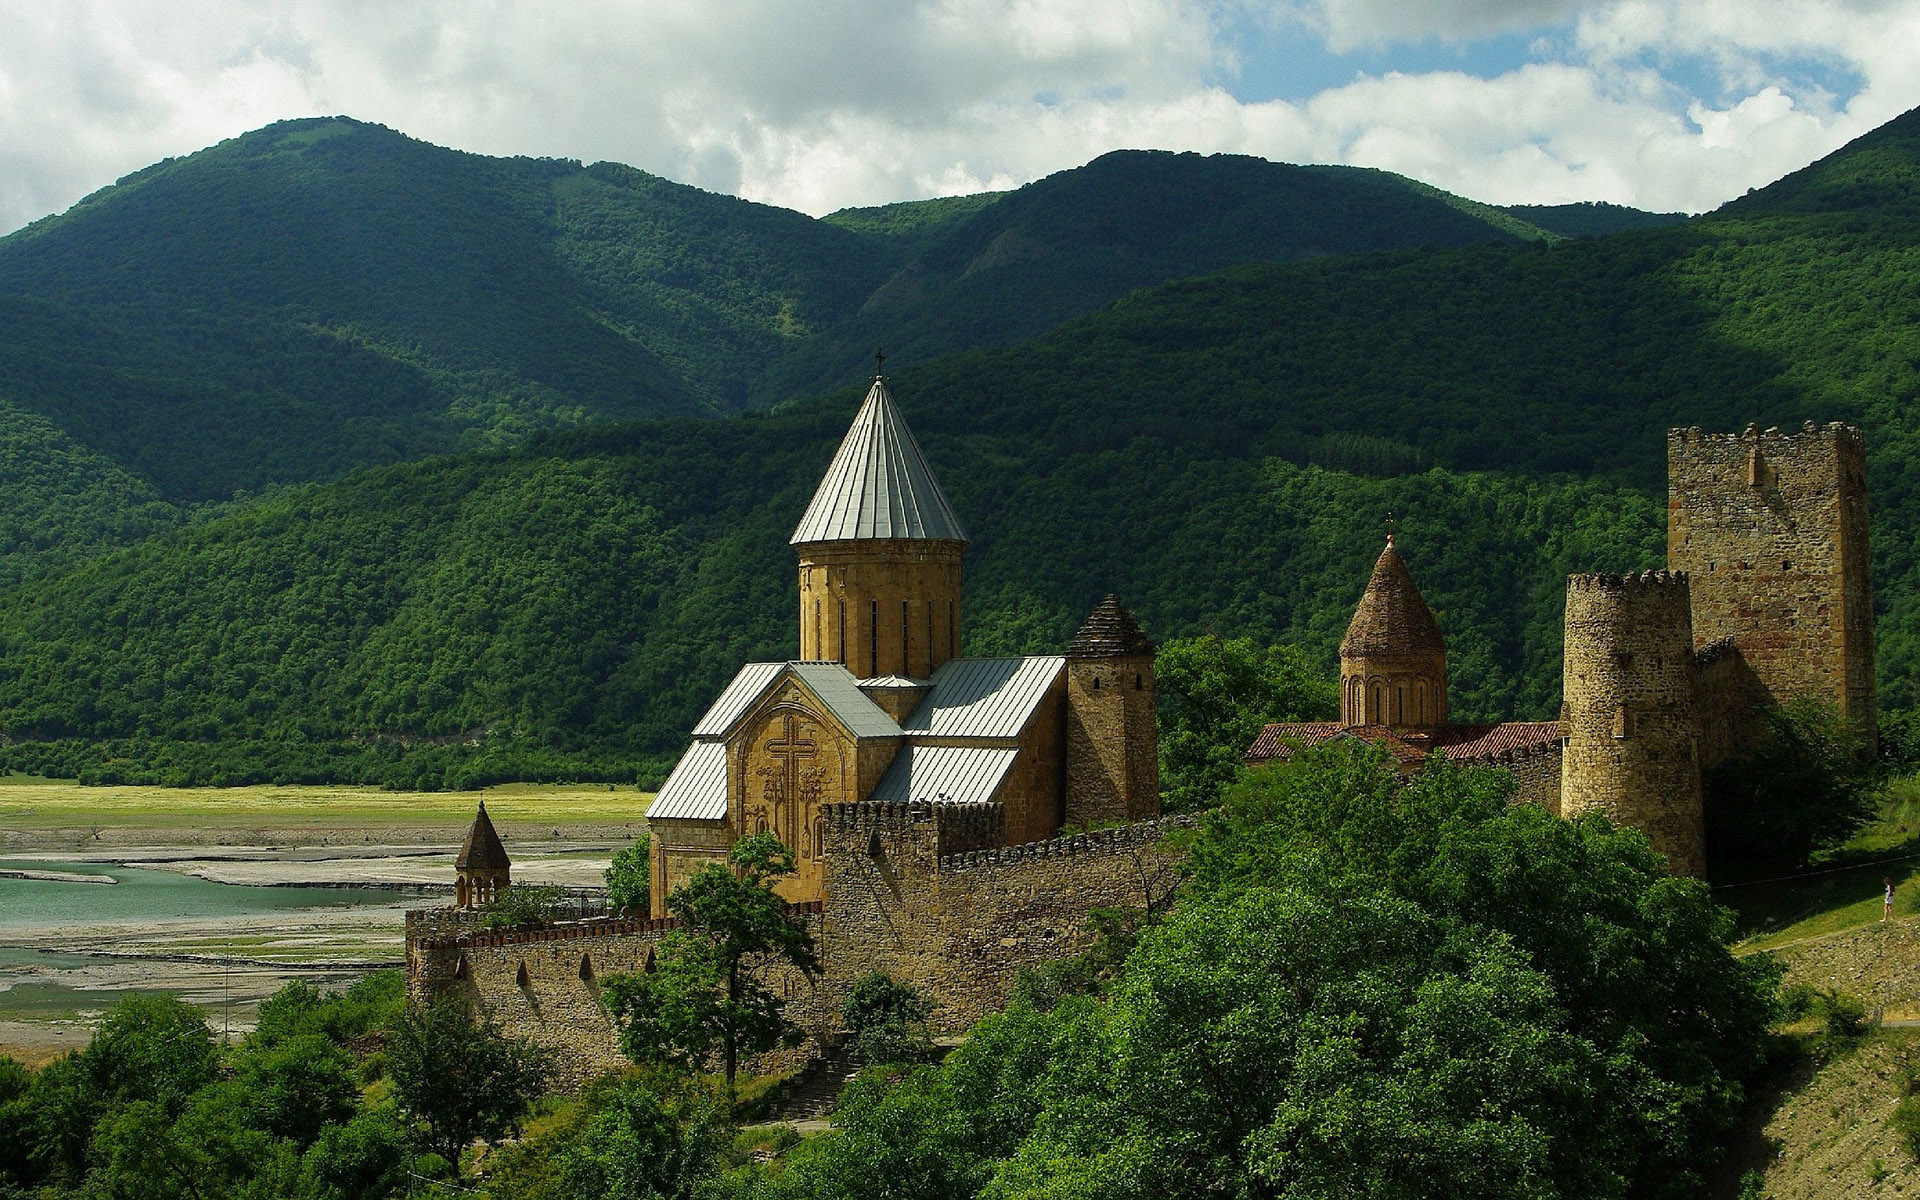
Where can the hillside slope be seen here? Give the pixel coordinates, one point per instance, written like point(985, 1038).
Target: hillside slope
point(323, 294)
point(1222, 452)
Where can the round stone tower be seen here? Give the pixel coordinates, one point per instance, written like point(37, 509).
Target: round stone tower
point(1393, 661)
point(879, 554)
point(1628, 715)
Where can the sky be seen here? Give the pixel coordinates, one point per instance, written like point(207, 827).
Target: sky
point(824, 104)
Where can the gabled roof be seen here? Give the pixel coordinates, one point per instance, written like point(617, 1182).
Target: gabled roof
point(1392, 617)
point(1109, 632)
point(749, 684)
point(840, 692)
point(832, 682)
point(879, 484)
point(482, 850)
point(946, 774)
point(984, 697)
point(697, 787)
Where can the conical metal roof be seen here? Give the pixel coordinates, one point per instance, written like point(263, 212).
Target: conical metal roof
point(878, 485)
point(482, 850)
point(1392, 617)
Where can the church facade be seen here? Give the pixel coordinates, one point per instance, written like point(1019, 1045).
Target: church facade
point(881, 707)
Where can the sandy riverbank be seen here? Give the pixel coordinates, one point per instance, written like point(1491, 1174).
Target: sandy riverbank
point(55, 982)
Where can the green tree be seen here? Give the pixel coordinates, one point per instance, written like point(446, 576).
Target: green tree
point(887, 1018)
point(638, 1145)
point(460, 1077)
point(1808, 786)
point(365, 1157)
point(298, 1087)
point(708, 991)
point(630, 878)
point(1373, 988)
point(523, 904)
point(1214, 696)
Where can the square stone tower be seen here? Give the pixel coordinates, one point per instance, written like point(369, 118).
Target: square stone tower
point(1771, 529)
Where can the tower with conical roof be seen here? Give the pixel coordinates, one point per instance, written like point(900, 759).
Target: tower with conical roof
point(482, 871)
point(1393, 661)
point(879, 554)
point(1112, 765)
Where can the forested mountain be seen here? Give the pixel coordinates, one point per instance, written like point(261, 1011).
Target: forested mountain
point(324, 294)
point(1222, 452)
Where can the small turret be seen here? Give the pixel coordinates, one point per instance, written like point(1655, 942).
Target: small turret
point(483, 869)
point(1393, 661)
point(1113, 766)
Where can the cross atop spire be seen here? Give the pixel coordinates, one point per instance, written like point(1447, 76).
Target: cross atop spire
point(1389, 527)
point(880, 364)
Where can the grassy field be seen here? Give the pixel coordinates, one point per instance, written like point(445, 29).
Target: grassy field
point(28, 804)
point(1843, 891)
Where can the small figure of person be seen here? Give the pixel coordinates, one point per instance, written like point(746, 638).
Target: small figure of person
point(1886, 908)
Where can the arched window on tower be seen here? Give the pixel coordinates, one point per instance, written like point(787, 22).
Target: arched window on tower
point(1420, 702)
point(1399, 704)
point(1376, 703)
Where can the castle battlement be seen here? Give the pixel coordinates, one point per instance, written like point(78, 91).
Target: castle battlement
point(1602, 581)
point(1098, 841)
point(1812, 433)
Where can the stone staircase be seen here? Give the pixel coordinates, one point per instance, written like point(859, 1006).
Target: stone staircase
point(815, 1088)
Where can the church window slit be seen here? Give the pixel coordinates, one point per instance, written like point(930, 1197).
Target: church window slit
point(906, 660)
point(873, 639)
point(840, 655)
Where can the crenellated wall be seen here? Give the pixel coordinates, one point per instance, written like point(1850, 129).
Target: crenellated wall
point(926, 892)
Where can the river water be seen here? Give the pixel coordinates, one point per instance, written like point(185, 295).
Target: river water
point(69, 950)
point(141, 895)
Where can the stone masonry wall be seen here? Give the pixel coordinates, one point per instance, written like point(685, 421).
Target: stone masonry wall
point(926, 893)
point(911, 585)
point(1772, 529)
point(1113, 770)
point(1629, 721)
point(962, 926)
point(1536, 774)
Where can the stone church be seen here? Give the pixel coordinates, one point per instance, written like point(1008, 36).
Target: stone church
point(881, 707)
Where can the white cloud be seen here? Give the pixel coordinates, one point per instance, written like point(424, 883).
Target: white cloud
point(840, 102)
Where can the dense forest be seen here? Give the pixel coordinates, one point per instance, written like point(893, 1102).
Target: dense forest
point(1223, 452)
point(323, 294)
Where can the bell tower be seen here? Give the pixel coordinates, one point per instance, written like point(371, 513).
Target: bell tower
point(879, 553)
point(1393, 661)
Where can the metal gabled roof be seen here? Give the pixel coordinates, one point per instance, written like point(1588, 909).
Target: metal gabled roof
point(984, 697)
point(946, 774)
point(840, 692)
point(737, 697)
point(879, 484)
point(697, 787)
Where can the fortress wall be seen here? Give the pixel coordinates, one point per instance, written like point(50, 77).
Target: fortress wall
point(1772, 529)
point(1727, 703)
point(1536, 775)
point(962, 926)
point(1629, 721)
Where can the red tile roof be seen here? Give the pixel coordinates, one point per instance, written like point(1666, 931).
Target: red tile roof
point(1458, 743)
